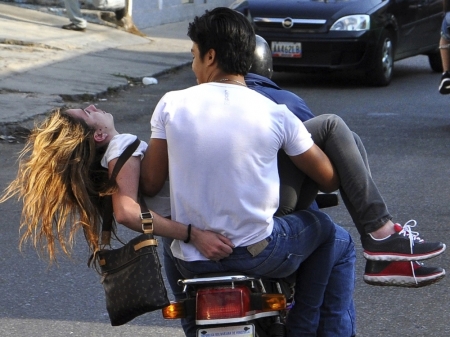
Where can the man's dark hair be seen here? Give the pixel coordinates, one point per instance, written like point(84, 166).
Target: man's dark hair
point(230, 34)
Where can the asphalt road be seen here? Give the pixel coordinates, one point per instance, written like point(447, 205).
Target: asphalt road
point(405, 128)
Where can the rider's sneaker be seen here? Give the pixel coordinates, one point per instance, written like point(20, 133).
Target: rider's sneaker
point(411, 274)
point(444, 87)
point(405, 245)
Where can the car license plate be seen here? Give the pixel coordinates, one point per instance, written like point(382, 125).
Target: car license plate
point(232, 330)
point(286, 49)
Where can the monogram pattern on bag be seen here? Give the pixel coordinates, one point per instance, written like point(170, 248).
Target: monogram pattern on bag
point(132, 281)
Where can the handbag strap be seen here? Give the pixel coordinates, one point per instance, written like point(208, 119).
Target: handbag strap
point(108, 207)
point(126, 154)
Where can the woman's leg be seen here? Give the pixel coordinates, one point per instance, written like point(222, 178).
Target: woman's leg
point(292, 181)
point(364, 202)
point(297, 191)
point(359, 192)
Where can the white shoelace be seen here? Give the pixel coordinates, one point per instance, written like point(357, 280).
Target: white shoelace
point(406, 231)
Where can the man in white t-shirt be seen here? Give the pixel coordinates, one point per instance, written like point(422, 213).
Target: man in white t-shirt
point(221, 140)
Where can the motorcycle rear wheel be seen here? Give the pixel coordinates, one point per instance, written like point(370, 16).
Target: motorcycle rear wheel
point(269, 327)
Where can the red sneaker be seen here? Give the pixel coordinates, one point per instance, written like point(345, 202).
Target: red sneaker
point(410, 274)
point(404, 245)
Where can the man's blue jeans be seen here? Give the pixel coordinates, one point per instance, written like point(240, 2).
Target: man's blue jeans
point(337, 313)
point(303, 243)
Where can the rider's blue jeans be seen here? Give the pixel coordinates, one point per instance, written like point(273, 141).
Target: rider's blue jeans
point(337, 313)
point(303, 243)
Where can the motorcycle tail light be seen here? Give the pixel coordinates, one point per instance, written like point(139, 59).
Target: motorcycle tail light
point(223, 302)
point(273, 302)
point(174, 310)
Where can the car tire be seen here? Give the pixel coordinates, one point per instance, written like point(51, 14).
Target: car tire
point(435, 61)
point(381, 73)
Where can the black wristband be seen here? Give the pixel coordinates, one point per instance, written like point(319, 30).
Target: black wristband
point(189, 234)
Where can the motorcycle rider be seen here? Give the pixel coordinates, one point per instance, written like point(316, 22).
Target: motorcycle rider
point(221, 140)
point(393, 273)
point(337, 312)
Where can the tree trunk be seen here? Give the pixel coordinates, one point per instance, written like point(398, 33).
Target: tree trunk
point(122, 18)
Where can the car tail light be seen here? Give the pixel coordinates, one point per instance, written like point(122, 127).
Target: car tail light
point(174, 310)
point(223, 302)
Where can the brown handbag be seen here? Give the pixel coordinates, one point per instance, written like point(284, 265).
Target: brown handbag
point(131, 275)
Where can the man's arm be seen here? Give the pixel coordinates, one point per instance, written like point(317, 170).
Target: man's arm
point(154, 167)
point(316, 165)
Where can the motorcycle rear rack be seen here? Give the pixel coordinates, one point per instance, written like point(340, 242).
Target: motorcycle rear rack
point(224, 279)
point(244, 319)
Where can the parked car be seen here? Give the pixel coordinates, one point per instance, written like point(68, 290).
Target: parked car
point(367, 35)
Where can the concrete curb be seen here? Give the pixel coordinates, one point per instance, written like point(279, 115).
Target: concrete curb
point(44, 66)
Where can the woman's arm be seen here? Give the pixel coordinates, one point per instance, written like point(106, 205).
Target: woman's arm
point(127, 211)
point(212, 245)
point(125, 205)
point(316, 165)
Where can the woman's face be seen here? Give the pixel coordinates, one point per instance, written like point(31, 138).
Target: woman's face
point(95, 118)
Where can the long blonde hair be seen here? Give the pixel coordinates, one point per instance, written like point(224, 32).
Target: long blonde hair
point(59, 182)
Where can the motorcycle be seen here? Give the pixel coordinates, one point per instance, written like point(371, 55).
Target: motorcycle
point(235, 304)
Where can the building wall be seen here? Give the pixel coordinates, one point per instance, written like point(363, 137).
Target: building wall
point(149, 13)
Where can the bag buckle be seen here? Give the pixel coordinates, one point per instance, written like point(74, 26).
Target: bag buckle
point(147, 222)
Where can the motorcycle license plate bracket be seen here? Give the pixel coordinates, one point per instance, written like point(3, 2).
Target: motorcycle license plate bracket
point(247, 330)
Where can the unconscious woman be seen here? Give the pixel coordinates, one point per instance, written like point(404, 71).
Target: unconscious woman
point(68, 158)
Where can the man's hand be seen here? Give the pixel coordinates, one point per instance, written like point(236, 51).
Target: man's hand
point(212, 245)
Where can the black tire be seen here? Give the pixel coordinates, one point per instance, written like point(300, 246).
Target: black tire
point(381, 74)
point(261, 327)
point(269, 327)
point(435, 62)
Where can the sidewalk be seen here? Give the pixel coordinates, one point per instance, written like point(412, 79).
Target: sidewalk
point(42, 64)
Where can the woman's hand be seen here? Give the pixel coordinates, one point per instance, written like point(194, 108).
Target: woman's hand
point(212, 245)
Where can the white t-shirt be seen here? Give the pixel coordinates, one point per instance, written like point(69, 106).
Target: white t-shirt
point(222, 143)
point(160, 203)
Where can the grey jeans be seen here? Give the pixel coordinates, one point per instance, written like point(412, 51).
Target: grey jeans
point(348, 155)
